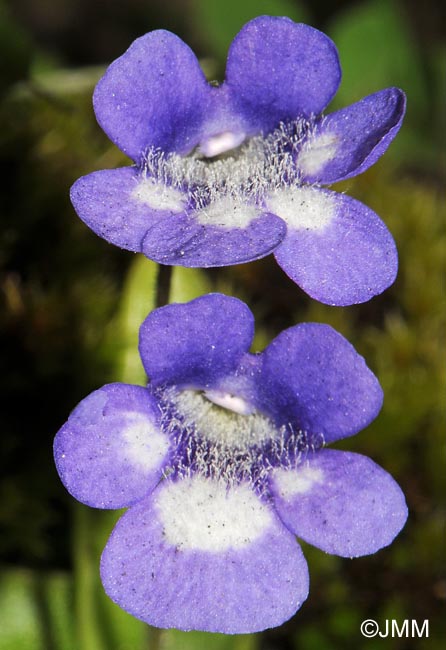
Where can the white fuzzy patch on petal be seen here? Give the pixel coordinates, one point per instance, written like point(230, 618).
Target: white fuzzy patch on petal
point(218, 144)
point(159, 196)
point(316, 153)
point(145, 445)
point(303, 208)
point(227, 213)
point(204, 515)
point(297, 481)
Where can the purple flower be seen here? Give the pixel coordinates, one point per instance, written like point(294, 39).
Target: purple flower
point(221, 461)
point(228, 174)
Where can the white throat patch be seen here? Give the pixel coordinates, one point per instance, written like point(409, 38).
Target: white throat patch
point(303, 208)
point(317, 151)
point(300, 480)
point(159, 196)
point(200, 514)
point(145, 445)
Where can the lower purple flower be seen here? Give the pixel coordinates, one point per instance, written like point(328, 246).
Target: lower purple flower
point(221, 461)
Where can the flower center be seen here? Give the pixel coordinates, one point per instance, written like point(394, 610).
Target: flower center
point(224, 419)
point(228, 401)
point(251, 170)
point(221, 143)
point(216, 440)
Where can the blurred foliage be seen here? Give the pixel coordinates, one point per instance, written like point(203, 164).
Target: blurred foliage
point(220, 21)
point(35, 611)
point(378, 49)
point(385, 53)
point(71, 307)
point(16, 50)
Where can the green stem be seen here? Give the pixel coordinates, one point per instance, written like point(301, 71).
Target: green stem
point(85, 570)
point(163, 282)
point(163, 287)
point(154, 640)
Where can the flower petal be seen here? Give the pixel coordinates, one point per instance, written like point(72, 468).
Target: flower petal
point(111, 451)
point(313, 378)
point(337, 249)
point(138, 214)
point(154, 95)
point(187, 241)
point(349, 141)
point(341, 502)
point(196, 343)
point(197, 556)
point(121, 208)
point(278, 70)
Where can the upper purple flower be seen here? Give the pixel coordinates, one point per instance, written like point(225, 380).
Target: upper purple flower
point(221, 461)
point(227, 174)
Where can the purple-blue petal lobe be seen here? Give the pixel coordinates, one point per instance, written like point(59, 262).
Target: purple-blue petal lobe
point(278, 70)
point(181, 240)
point(204, 559)
point(154, 95)
point(111, 451)
point(314, 379)
point(345, 256)
point(197, 343)
point(142, 215)
point(349, 141)
point(341, 502)
point(109, 202)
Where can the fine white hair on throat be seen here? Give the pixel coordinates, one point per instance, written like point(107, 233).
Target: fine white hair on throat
point(247, 174)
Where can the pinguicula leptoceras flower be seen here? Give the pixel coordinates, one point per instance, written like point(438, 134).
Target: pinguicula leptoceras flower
point(221, 461)
point(227, 174)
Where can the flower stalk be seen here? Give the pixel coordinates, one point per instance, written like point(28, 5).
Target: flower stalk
point(163, 284)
